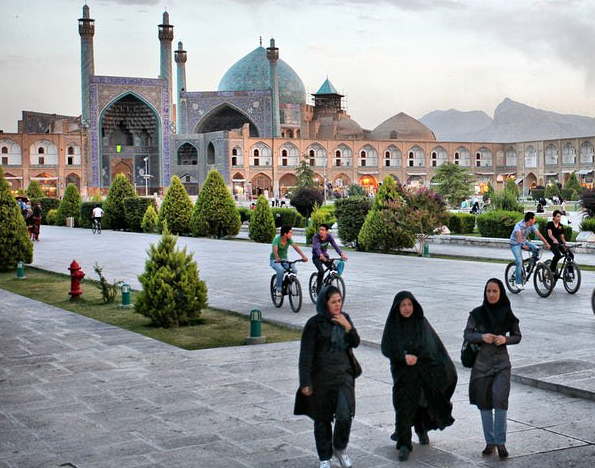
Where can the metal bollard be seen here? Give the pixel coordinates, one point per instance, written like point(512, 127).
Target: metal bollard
point(125, 291)
point(255, 328)
point(426, 252)
point(21, 270)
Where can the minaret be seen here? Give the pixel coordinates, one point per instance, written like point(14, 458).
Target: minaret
point(180, 57)
point(86, 31)
point(273, 56)
point(166, 36)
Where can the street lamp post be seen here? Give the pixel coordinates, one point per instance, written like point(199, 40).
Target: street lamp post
point(146, 175)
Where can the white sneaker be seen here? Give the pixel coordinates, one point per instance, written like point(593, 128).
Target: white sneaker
point(520, 286)
point(325, 464)
point(343, 458)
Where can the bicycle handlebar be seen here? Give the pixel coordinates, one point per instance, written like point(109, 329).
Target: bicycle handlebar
point(289, 262)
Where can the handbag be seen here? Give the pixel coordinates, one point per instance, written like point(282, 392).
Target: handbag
point(469, 353)
point(357, 368)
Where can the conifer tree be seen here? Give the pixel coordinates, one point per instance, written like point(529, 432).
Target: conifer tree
point(176, 208)
point(34, 190)
point(150, 220)
point(15, 244)
point(119, 190)
point(70, 206)
point(215, 213)
point(262, 224)
point(173, 292)
point(573, 184)
point(387, 194)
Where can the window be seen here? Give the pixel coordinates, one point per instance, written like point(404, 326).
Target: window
point(41, 150)
point(416, 157)
point(70, 150)
point(234, 160)
point(234, 152)
point(5, 160)
point(511, 157)
point(530, 157)
point(568, 154)
point(70, 161)
point(4, 150)
point(551, 154)
point(462, 157)
point(41, 160)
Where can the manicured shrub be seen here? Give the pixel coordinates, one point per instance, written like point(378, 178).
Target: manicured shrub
point(15, 244)
point(86, 214)
point(461, 223)
point(572, 184)
point(551, 190)
point(351, 213)
point(566, 194)
point(587, 224)
point(51, 217)
point(47, 204)
point(176, 208)
point(497, 223)
point(536, 193)
point(289, 216)
point(215, 213)
point(119, 190)
point(173, 292)
point(319, 216)
point(70, 206)
point(34, 190)
point(303, 199)
point(262, 225)
point(150, 222)
point(245, 213)
point(135, 209)
point(356, 190)
point(382, 231)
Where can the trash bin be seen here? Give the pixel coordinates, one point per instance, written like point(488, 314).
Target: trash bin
point(70, 222)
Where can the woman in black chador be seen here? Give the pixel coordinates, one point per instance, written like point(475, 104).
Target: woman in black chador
point(327, 376)
point(494, 326)
point(424, 377)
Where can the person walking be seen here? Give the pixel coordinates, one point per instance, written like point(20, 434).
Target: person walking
point(494, 326)
point(36, 225)
point(327, 372)
point(424, 376)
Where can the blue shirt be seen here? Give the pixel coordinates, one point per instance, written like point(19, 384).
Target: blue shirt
point(525, 230)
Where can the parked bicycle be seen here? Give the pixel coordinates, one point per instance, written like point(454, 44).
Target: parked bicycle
point(332, 276)
point(290, 287)
point(543, 279)
point(568, 270)
point(96, 226)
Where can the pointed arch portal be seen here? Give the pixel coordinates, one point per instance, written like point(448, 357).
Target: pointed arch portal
point(225, 118)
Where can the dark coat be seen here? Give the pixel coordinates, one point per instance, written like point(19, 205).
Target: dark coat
point(431, 381)
point(325, 366)
point(489, 385)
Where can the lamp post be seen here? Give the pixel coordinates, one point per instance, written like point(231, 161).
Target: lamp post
point(146, 175)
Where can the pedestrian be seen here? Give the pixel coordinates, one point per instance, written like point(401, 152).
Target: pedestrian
point(327, 370)
point(424, 376)
point(36, 225)
point(494, 326)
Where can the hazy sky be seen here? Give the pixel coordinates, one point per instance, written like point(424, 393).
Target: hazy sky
point(390, 56)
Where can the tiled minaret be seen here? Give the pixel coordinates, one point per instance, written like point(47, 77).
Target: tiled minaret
point(180, 56)
point(86, 31)
point(273, 56)
point(166, 36)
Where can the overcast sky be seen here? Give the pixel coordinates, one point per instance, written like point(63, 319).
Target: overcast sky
point(390, 56)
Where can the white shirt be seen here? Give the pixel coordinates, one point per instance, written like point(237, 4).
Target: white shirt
point(97, 212)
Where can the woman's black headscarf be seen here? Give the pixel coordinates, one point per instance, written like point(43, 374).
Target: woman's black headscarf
point(402, 334)
point(496, 318)
point(338, 342)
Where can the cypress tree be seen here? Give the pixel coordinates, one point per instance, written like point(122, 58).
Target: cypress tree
point(173, 292)
point(150, 220)
point(176, 208)
point(215, 213)
point(70, 206)
point(262, 224)
point(15, 244)
point(34, 190)
point(120, 189)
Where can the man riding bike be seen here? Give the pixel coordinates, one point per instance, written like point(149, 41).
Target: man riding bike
point(280, 246)
point(518, 241)
point(320, 256)
point(555, 234)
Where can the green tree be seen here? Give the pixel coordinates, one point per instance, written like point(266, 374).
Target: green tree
point(173, 292)
point(34, 190)
point(506, 200)
point(454, 183)
point(572, 183)
point(319, 216)
point(388, 194)
point(551, 190)
point(382, 230)
point(356, 190)
point(305, 175)
point(489, 193)
point(176, 208)
point(351, 213)
point(511, 187)
point(70, 206)
point(215, 213)
point(262, 224)
point(304, 199)
point(15, 244)
point(150, 221)
point(119, 190)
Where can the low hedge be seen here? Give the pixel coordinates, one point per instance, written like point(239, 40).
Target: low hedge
point(87, 212)
point(498, 223)
point(245, 213)
point(587, 224)
point(134, 210)
point(288, 216)
point(461, 223)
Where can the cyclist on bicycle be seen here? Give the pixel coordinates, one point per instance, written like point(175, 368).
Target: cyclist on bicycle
point(97, 214)
point(555, 234)
point(320, 256)
point(280, 246)
point(518, 241)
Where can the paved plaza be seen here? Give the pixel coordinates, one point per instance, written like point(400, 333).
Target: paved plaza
point(76, 392)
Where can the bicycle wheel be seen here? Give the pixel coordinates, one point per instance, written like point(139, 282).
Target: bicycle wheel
point(93, 227)
point(277, 297)
point(593, 301)
point(295, 294)
point(571, 277)
point(509, 278)
point(336, 280)
point(543, 280)
point(98, 228)
point(312, 287)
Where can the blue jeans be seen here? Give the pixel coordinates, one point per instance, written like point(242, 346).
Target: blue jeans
point(494, 426)
point(518, 256)
point(278, 267)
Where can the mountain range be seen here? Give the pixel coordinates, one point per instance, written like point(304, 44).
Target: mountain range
point(512, 122)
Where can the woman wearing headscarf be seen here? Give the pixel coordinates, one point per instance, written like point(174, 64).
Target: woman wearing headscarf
point(327, 371)
point(424, 376)
point(494, 326)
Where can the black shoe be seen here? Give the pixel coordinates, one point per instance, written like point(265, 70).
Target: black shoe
point(489, 450)
point(502, 452)
point(404, 453)
point(423, 438)
point(394, 436)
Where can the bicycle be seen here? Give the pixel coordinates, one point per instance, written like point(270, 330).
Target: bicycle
point(543, 279)
point(332, 276)
point(568, 270)
point(96, 226)
point(290, 287)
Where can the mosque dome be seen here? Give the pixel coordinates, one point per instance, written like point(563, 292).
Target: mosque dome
point(252, 72)
point(402, 127)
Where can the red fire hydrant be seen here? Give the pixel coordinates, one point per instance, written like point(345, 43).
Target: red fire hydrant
point(76, 277)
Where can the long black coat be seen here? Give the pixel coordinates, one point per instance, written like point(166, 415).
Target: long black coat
point(434, 374)
point(326, 373)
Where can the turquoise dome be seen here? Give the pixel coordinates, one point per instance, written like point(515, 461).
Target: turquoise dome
point(252, 73)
